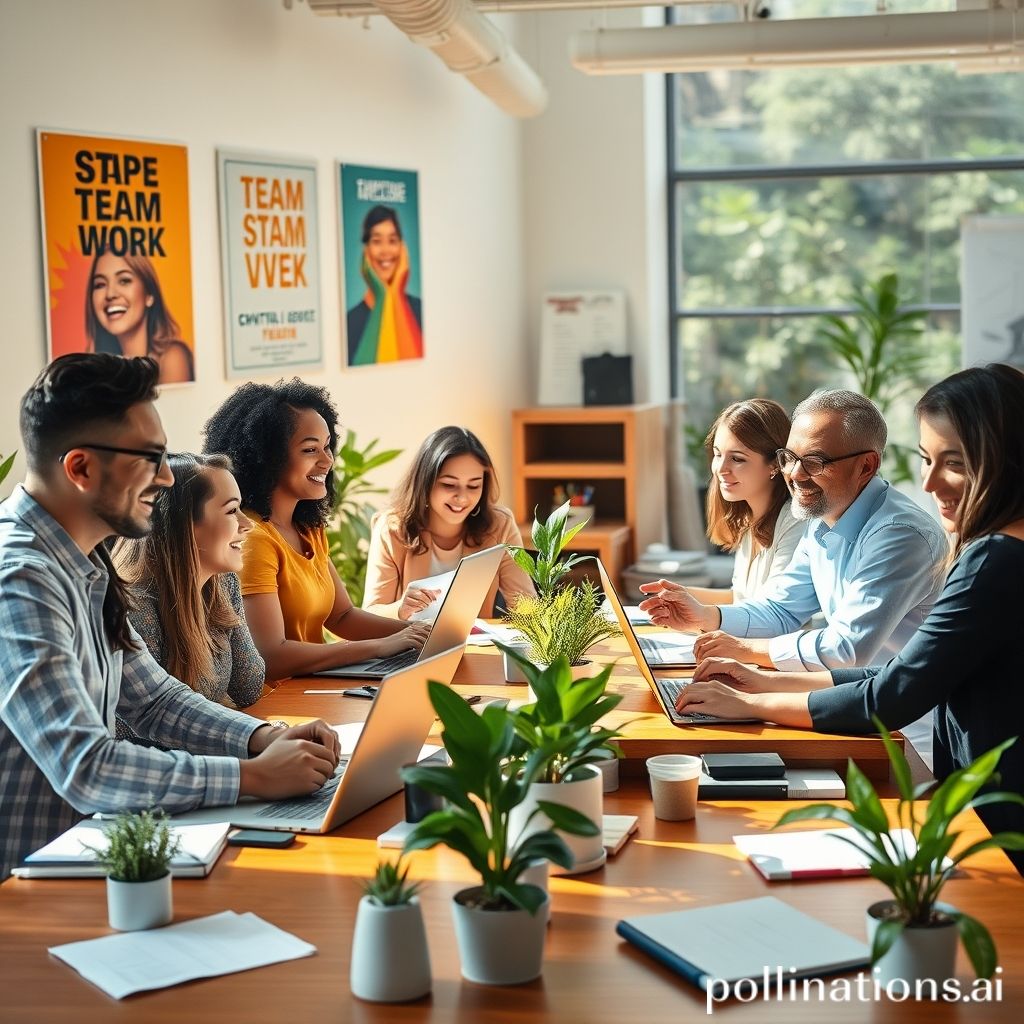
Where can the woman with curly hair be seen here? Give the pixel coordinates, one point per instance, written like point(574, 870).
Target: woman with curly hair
point(281, 439)
point(443, 508)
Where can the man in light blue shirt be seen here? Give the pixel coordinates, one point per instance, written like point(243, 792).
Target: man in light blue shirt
point(871, 560)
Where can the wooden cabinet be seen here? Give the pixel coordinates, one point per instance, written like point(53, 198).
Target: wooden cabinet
point(619, 451)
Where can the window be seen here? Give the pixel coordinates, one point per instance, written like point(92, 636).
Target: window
point(790, 188)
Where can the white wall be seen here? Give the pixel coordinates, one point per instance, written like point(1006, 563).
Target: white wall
point(594, 186)
point(249, 74)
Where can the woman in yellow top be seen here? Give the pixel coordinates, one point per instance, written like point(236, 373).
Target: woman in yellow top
point(443, 509)
point(281, 439)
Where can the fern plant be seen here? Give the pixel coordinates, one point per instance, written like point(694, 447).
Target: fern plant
point(388, 887)
point(565, 623)
point(348, 534)
point(140, 847)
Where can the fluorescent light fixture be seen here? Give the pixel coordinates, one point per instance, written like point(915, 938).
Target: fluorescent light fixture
point(995, 36)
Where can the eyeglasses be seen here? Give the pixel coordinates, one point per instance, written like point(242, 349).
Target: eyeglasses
point(158, 459)
point(814, 465)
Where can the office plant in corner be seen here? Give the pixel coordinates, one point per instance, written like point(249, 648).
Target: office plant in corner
point(499, 924)
point(137, 859)
point(390, 960)
point(913, 936)
point(561, 727)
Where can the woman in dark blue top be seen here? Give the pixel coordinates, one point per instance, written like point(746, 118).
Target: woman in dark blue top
point(965, 659)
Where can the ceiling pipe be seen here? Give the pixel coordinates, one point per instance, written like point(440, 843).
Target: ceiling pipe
point(470, 45)
point(804, 42)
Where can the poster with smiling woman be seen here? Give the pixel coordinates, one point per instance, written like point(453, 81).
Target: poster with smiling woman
point(116, 249)
point(381, 264)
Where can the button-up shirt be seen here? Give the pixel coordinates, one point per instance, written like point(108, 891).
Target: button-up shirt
point(61, 682)
point(874, 576)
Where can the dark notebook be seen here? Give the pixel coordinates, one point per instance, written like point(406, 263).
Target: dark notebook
point(744, 766)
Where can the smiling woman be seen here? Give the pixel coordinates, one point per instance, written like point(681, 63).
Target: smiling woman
point(182, 582)
point(443, 508)
point(125, 314)
point(281, 439)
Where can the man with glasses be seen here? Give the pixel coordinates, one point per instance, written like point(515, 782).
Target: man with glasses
point(870, 561)
point(70, 659)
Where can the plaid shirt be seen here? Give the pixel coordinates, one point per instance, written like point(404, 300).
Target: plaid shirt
point(60, 686)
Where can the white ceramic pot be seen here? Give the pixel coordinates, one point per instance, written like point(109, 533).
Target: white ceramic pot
point(499, 947)
point(134, 906)
point(513, 670)
point(583, 794)
point(919, 954)
point(390, 960)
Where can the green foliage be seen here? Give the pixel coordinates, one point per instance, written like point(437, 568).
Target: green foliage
point(916, 878)
point(562, 724)
point(563, 624)
point(388, 887)
point(349, 531)
point(141, 847)
point(482, 785)
point(5, 466)
point(549, 538)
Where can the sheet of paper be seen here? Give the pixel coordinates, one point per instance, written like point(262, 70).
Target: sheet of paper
point(442, 581)
point(485, 633)
point(204, 948)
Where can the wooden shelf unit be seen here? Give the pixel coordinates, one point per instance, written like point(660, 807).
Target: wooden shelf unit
point(619, 450)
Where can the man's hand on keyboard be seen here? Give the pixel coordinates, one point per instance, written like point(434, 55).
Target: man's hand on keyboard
point(412, 637)
point(717, 644)
point(296, 761)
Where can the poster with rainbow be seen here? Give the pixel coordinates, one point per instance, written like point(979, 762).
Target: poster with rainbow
point(117, 255)
point(381, 264)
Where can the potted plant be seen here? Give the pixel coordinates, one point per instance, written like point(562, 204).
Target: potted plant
point(562, 619)
point(912, 935)
point(348, 533)
point(499, 924)
point(137, 859)
point(390, 959)
point(561, 729)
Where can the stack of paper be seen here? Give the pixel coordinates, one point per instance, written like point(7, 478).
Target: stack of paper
point(68, 855)
point(203, 948)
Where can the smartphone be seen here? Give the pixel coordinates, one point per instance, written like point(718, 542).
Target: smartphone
point(366, 692)
point(259, 837)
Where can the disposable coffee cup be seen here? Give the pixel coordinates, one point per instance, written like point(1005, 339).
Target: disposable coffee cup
point(674, 782)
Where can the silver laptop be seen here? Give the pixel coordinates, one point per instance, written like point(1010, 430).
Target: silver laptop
point(459, 609)
point(398, 723)
point(665, 690)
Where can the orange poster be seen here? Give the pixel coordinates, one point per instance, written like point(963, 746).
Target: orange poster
point(116, 249)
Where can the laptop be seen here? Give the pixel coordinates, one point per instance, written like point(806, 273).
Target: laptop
point(399, 721)
point(665, 690)
point(459, 608)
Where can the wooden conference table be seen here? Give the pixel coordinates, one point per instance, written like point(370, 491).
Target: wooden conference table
point(590, 975)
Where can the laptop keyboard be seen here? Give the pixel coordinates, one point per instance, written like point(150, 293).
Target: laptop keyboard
point(396, 662)
point(308, 808)
point(660, 649)
point(670, 690)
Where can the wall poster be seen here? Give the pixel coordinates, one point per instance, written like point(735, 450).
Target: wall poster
point(270, 253)
point(381, 264)
point(116, 248)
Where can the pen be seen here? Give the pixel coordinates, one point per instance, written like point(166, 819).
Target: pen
point(323, 691)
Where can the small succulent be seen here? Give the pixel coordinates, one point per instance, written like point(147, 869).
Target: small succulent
point(388, 887)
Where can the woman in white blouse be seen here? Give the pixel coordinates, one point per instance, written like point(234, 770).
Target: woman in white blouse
point(748, 503)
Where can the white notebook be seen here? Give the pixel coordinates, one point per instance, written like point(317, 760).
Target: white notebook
point(67, 855)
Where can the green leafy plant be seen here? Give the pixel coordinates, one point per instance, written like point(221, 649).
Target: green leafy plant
point(482, 784)
point(915, 877)
point(348, 533)
point(564, 624)
point(549, 539)
point(562, 724)
point(388, 887)
point(5, 466)
point(880, 343)
point(140, 847)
